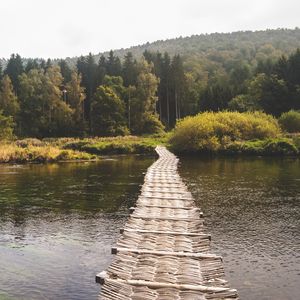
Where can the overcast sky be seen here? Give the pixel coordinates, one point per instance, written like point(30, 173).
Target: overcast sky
point(61, 28)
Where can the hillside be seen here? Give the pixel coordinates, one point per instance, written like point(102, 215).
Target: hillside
point(218, 47)
point(250, 46)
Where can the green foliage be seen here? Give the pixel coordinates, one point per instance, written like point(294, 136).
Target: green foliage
point(117, 145)
point(44, 113)
point(166, 81)
point(274, 146)
point(13, 69)
point(6, 127)
point(8, 100)
point(151, 124)
point(107, 113)
point(144, 100)
point(243, 103)
point(213, 131)
point(270, 92)
point(290, 121)
point(41, 154)
point(75, 98)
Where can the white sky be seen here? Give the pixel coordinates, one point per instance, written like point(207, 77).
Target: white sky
point(61, 28)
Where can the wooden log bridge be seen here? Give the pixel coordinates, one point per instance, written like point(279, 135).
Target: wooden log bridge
point(163, 252)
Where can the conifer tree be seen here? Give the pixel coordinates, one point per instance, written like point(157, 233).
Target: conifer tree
point(113, 66)
point(129, 70)
point(65, 70)
point(13, 69)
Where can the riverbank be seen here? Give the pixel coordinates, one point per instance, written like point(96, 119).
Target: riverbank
point(281, 146)
point(73, 149)
point(233, 133)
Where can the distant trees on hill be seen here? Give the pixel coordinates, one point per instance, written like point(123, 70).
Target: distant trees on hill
point(139, 96)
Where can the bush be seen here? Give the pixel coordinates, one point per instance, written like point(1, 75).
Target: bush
point(29, 142)
point(211, 131)
point(280, 146)
point(290, 121)
point(274, 146)
point(151, 124)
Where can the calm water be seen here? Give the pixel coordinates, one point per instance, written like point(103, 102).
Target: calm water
point(58, 223)
point(251, 207)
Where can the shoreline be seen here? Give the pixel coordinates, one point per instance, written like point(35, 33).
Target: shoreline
point(34, 151)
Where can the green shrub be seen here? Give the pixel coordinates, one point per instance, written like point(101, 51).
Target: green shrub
point(274, 146)
point(211, 131)
point(6, 127)
point(151, 124)
point(290, 121)
point(280, 146)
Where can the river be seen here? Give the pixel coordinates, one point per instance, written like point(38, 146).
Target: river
point(59, 221)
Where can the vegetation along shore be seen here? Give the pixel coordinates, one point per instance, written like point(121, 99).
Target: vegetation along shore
point(215, 94)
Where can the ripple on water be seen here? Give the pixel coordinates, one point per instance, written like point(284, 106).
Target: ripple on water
point(251, 208)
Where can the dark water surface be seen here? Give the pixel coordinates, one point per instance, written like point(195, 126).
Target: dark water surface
point(59, 221)
point(252, 209)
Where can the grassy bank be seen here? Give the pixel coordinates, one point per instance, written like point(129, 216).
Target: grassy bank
point(252, 133)
point(12, 153)
point(116, 145)
point(71, 149)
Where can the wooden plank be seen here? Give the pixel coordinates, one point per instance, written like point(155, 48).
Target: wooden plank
point(165, 206)
point(202, 235)
point(115, 250)
point(168, 198)
point(154, 217)
point(159, 285)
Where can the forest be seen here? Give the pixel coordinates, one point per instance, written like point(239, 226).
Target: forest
point(119, 95)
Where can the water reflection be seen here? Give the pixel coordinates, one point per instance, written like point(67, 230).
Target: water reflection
point(252, 210)
point(58, 222)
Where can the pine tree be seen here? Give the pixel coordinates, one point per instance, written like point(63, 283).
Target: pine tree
point(87, 67)
point(101, 70)
point(65, 70)
point(13, 69)
point(32, 64)
point(129, 71)
point(113, 66)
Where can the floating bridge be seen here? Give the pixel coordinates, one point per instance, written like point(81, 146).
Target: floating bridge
point(163, 252)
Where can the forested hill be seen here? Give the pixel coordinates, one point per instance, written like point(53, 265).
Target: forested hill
point(218, 47)
point(145, 88)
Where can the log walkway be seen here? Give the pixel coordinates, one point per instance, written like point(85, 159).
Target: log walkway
point(163, 252)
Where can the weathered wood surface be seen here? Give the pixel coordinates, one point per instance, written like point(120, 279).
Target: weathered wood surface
point(163, 252)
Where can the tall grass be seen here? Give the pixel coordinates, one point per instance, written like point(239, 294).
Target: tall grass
point(14, 153)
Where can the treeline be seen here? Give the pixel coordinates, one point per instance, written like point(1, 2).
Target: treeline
point(113, 97)
point(105, 98)
point(272, 87)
